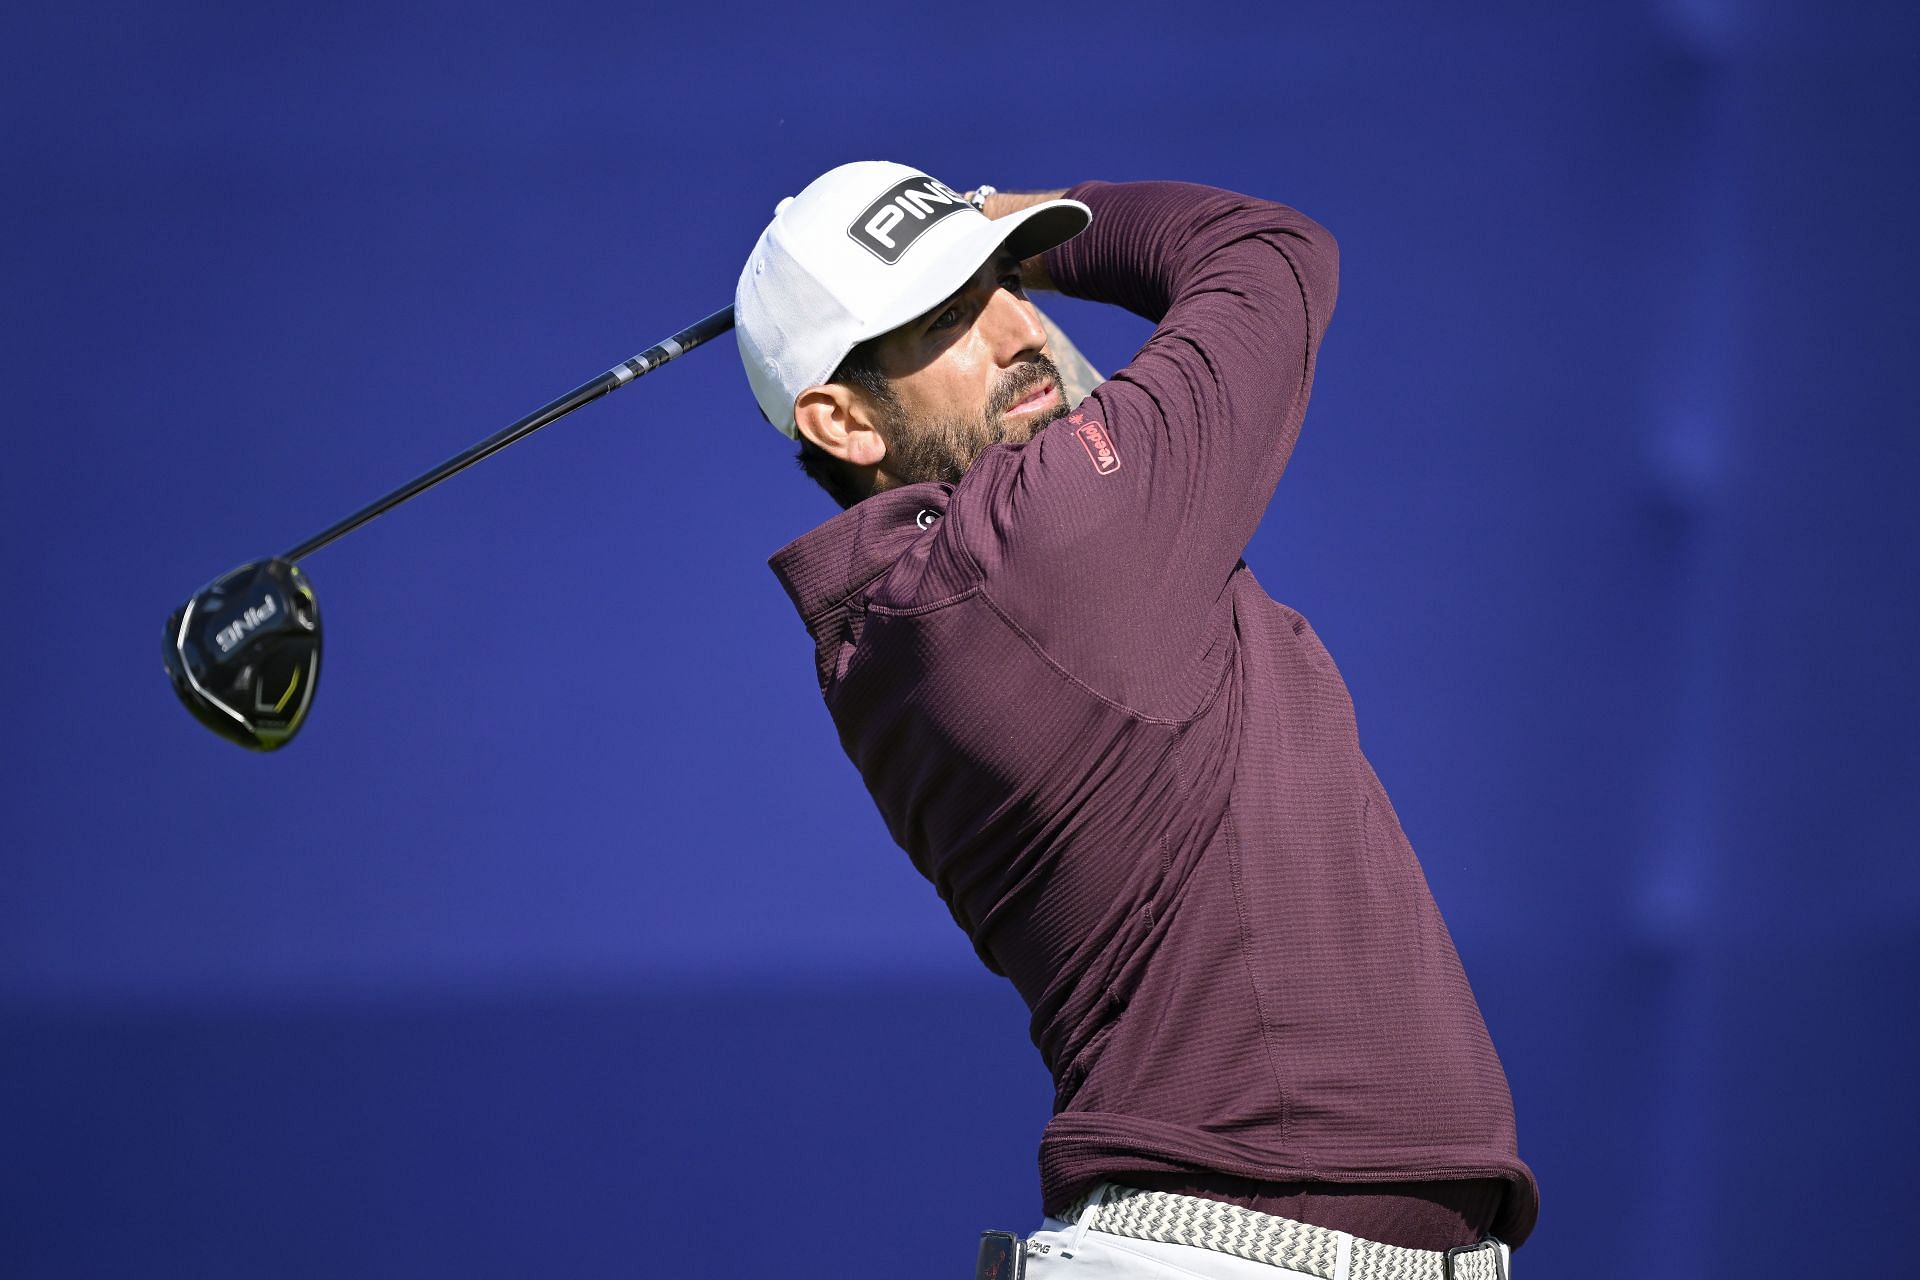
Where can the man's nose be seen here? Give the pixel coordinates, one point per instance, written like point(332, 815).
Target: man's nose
point(1014, 327)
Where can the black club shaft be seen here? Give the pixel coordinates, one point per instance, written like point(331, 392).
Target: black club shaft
point(612, 380)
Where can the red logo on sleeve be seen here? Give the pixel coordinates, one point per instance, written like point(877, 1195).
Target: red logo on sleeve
point(1099, 445)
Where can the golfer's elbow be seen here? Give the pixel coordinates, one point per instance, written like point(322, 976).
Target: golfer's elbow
point(1314, 256)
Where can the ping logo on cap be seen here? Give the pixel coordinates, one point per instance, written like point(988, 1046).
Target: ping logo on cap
point(888, 227)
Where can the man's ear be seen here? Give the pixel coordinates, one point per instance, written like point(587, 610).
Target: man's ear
point(837, 418)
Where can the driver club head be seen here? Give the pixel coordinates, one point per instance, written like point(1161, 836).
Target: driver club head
point(244, 653)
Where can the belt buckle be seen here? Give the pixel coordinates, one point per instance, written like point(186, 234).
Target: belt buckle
point(1003, 1256)
point(1491, 1242)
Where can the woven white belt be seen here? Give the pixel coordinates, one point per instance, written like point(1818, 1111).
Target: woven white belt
point(1166, 1218)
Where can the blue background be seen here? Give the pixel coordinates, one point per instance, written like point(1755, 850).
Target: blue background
point(565, 940)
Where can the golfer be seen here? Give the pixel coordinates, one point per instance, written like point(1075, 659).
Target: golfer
point(1132, 775)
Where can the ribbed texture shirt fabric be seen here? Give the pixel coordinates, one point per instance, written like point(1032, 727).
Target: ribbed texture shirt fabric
point(1134, 777)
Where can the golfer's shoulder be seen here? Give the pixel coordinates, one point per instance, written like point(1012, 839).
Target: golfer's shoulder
point(1066, 570)
point(1057, 514)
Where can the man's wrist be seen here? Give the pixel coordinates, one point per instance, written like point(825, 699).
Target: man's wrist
point(999, 204)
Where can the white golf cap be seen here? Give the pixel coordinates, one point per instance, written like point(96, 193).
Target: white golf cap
point(864, 249)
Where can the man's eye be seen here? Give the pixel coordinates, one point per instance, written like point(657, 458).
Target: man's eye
point(946, 319)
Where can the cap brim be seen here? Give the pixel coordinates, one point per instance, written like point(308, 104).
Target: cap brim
point(1041, 227)
point(1028, 233)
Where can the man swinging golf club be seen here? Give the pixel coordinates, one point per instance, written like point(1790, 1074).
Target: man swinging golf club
point(1131, 774)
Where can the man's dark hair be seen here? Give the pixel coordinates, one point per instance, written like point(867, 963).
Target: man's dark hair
point(860, 369)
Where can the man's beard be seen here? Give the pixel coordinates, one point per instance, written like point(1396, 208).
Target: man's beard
point(943, 448)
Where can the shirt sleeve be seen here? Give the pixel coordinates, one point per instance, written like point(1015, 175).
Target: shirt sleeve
point(1110, 538)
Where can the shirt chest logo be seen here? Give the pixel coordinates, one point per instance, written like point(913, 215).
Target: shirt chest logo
point(1099, 445)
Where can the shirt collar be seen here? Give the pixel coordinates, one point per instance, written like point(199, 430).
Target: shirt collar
point(822, 569)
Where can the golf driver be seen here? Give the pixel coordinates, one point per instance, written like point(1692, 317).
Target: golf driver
point(244, 651)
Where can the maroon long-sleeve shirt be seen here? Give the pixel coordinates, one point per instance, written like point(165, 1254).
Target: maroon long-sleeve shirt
point(1134, 777)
